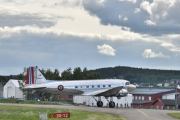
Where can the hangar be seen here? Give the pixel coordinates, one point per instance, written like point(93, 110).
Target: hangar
point(154, 98)
point(12, 89)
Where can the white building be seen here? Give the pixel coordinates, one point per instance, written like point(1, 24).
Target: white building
point(12, 90)
point(123, 102)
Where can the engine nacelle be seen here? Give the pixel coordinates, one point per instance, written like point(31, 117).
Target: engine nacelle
point(122, 93)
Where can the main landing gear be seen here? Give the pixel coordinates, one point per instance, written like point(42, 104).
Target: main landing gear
point(99, 102)
point(111, 103)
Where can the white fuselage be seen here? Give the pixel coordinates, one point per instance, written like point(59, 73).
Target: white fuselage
point(84, 85)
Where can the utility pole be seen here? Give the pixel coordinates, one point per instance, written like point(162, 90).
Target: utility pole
point(176, 98)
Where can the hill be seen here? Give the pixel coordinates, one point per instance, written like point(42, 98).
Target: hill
point(137, 75)
point(134, 75)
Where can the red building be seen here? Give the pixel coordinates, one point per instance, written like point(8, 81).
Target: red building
point(149, 98)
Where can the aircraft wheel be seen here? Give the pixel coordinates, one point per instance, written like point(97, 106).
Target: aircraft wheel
point(99, 103)
point(111, 104)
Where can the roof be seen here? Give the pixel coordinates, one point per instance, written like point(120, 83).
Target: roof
point(15, 82)
point(151, 91)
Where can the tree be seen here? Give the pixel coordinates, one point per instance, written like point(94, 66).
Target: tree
point(85, 73)
point(77, 74)
point(67, 74)
point(49, 74)
point(56, 75)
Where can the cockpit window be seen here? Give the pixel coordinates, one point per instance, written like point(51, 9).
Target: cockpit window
point(127, 83)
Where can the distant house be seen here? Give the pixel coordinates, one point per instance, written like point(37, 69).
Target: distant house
point(12, 90)
point(150, 98)
point(172, 100)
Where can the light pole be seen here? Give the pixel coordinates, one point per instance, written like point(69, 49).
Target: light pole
point(176, 98)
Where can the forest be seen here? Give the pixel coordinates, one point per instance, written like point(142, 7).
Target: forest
point(134, 75)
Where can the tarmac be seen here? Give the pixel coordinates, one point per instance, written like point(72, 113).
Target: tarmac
point(128, 113)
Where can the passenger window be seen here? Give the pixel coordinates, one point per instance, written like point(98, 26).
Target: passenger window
point(109, 85)
point(104, 85)
point(98, 86)
point(87, 86)
point(92, 86)
point(76, 86)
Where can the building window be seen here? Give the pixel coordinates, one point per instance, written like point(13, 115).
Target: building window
point(149, 98)
point(109, 85)
point(135, 97)
point(142, 97)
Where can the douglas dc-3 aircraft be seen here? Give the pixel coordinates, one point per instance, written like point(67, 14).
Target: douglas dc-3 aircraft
point(34, 80)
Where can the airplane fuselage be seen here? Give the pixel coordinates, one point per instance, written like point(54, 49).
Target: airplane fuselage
point(83, 85)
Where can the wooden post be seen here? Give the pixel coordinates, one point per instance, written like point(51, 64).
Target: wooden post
point(43, 116)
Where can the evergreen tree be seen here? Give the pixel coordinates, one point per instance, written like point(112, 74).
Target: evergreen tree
point(56, 75)
point(77, 74)
point(67, 74)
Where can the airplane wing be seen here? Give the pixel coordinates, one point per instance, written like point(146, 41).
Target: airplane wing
point(64, 91)
point(53, 90)
point(105, 92)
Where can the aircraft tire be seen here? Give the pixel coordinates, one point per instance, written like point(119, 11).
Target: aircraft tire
point(111, 104)
point(99, 103)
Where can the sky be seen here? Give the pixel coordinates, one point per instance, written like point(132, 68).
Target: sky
point(89, 33)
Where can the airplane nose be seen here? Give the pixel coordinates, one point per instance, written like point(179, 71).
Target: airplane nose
point(131, 87)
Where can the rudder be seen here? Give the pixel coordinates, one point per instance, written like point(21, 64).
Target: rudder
point(33, 76)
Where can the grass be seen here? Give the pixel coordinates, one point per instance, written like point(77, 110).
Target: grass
point(31, 113)
point(175, 115)
point(12, 100)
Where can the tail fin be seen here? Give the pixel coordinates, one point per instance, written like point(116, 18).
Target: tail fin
point(33, 76)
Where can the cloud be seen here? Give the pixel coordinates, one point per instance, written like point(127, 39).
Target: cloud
point(150, 23)
point(106, 50)
point(64, 31)
point(74, 21)
point(12, 20)
point(149, 53)
point(157, 15)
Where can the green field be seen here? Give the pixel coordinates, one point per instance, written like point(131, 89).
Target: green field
point(175, 115)
point(31, 113)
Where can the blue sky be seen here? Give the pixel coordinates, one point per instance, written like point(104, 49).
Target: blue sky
point(89, 33)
